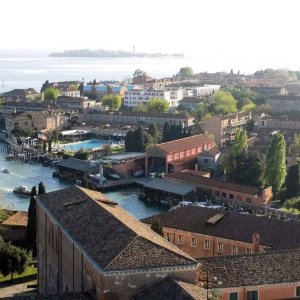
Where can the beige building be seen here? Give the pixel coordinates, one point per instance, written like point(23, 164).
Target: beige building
point(88, 244)
point(21, 120)
point(75, 102)
point(224, 127)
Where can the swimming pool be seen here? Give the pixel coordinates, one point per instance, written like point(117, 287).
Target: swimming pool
point(85, 145)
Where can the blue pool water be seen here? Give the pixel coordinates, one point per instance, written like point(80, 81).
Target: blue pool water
point(85, 145)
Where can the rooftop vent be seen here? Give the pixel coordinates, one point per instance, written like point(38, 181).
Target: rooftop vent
point(73, 202)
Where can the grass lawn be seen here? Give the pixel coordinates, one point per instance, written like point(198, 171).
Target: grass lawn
point(291, 210)
point(30, 272)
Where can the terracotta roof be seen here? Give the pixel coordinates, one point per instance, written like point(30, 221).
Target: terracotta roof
point(194, 177)
point(20, 218)
point(185, 143)
point(114, 239)
point(171, 289)
point(252, 269)
point(234, 115)
point(233, 226)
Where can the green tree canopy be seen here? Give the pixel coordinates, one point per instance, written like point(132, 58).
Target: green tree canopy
point(292, 181)
point(141, 108)
point(81, 154)
point(156, 226)
point(51, 93)
point(275, 163)
point(113, 101)
point(186, 72)
point(13, 260)
point(139, 72)
point(152, 130)
point(223, 103)
point(240, 143)
point(21, 132)
point(158, 105)
point(137, 140)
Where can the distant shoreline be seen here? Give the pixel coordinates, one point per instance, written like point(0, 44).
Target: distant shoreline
point(110, 54)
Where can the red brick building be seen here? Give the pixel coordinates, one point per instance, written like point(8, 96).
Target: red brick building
point(225, 191)
point(264, 276)
point(176, 155)
point(203, 232)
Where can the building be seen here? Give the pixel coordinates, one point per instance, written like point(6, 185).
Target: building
point(285, 122)
point(20, 94)
point(224, 127)
point(79, 103)
point(97, 117)
point(203, 232)
point(208, 159)
point(88, 244)
point(284, 104)
point(226, 192)
point(176, 155)
point(135, 97)
point(69, 92)
point(18, 106)
point(263, 276)
point(191, 103)
point(23, 121)
point(142, 79)
point(73, 168)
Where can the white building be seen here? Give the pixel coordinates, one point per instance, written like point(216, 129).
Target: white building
point(135, 97)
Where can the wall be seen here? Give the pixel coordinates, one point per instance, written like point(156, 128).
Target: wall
point(127, 168)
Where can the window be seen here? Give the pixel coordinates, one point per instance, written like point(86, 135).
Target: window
point(220, 247)
point(248, 200)
point(248, 250)
point(231, 196)
point(217, 193)
point(206, 245)
point(180, 239)
point(252, 295)
point(298, 291)
point(234, 249)
point(169, 237)
point(224, 195)
point(234, 296)
point(205, 160)
point(194, 242)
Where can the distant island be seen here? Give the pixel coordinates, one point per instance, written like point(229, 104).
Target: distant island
point(109, 53)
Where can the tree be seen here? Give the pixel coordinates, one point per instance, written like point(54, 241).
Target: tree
point(139, 72)
point(292, 181)
point(44, 146)
point(275, 163)
point(157, 105)
point(186, 72)
point(137, 140)
point(51, 93)
point(240, 143)
point(141, 108)
point(21, 132)
point(55, 135)
point(152, 130)
point(156, 226)
point(31, 225)
point(49, 146)
point(113, 101)
point(83, 155)
point(13, 260)
point(223, 103)
point(41, 189)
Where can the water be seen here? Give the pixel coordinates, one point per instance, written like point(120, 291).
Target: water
point(89, 144)
point(32, 72)
point(32, 174)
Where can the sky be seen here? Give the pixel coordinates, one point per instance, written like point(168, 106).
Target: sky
point(246, 31)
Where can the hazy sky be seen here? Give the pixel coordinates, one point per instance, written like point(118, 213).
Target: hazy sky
point(251, 31)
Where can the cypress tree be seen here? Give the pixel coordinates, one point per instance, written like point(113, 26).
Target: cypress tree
point(41, 189)
point(275, 163)
point(292, 182)
point(31, 225)
point(156, 226)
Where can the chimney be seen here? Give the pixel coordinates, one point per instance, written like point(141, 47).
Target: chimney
point(256, 242)
point(196, 167)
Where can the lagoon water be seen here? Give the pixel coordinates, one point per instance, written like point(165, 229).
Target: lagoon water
point(31, 174)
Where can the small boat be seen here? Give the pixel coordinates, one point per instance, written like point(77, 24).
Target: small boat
point(9, 157)
point(5, 170)
point(138, 173)
point(22, 190)
point(114, 176)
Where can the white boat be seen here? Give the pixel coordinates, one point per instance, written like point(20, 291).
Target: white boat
point(138, 173)
point(98, 177)
point(22, 190)
point(9, 157)
point(114, 176)
point(5, 170)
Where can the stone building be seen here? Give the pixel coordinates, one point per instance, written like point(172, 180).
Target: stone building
point(88, 244)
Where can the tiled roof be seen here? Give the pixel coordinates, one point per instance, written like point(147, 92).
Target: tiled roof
point(114, 239)
point(234, 115)
point(76, 164)
point(20, 218)
point(233, 226)
point(171, 289)
point(193, 177)
point(185, 143)
point(252, 269)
